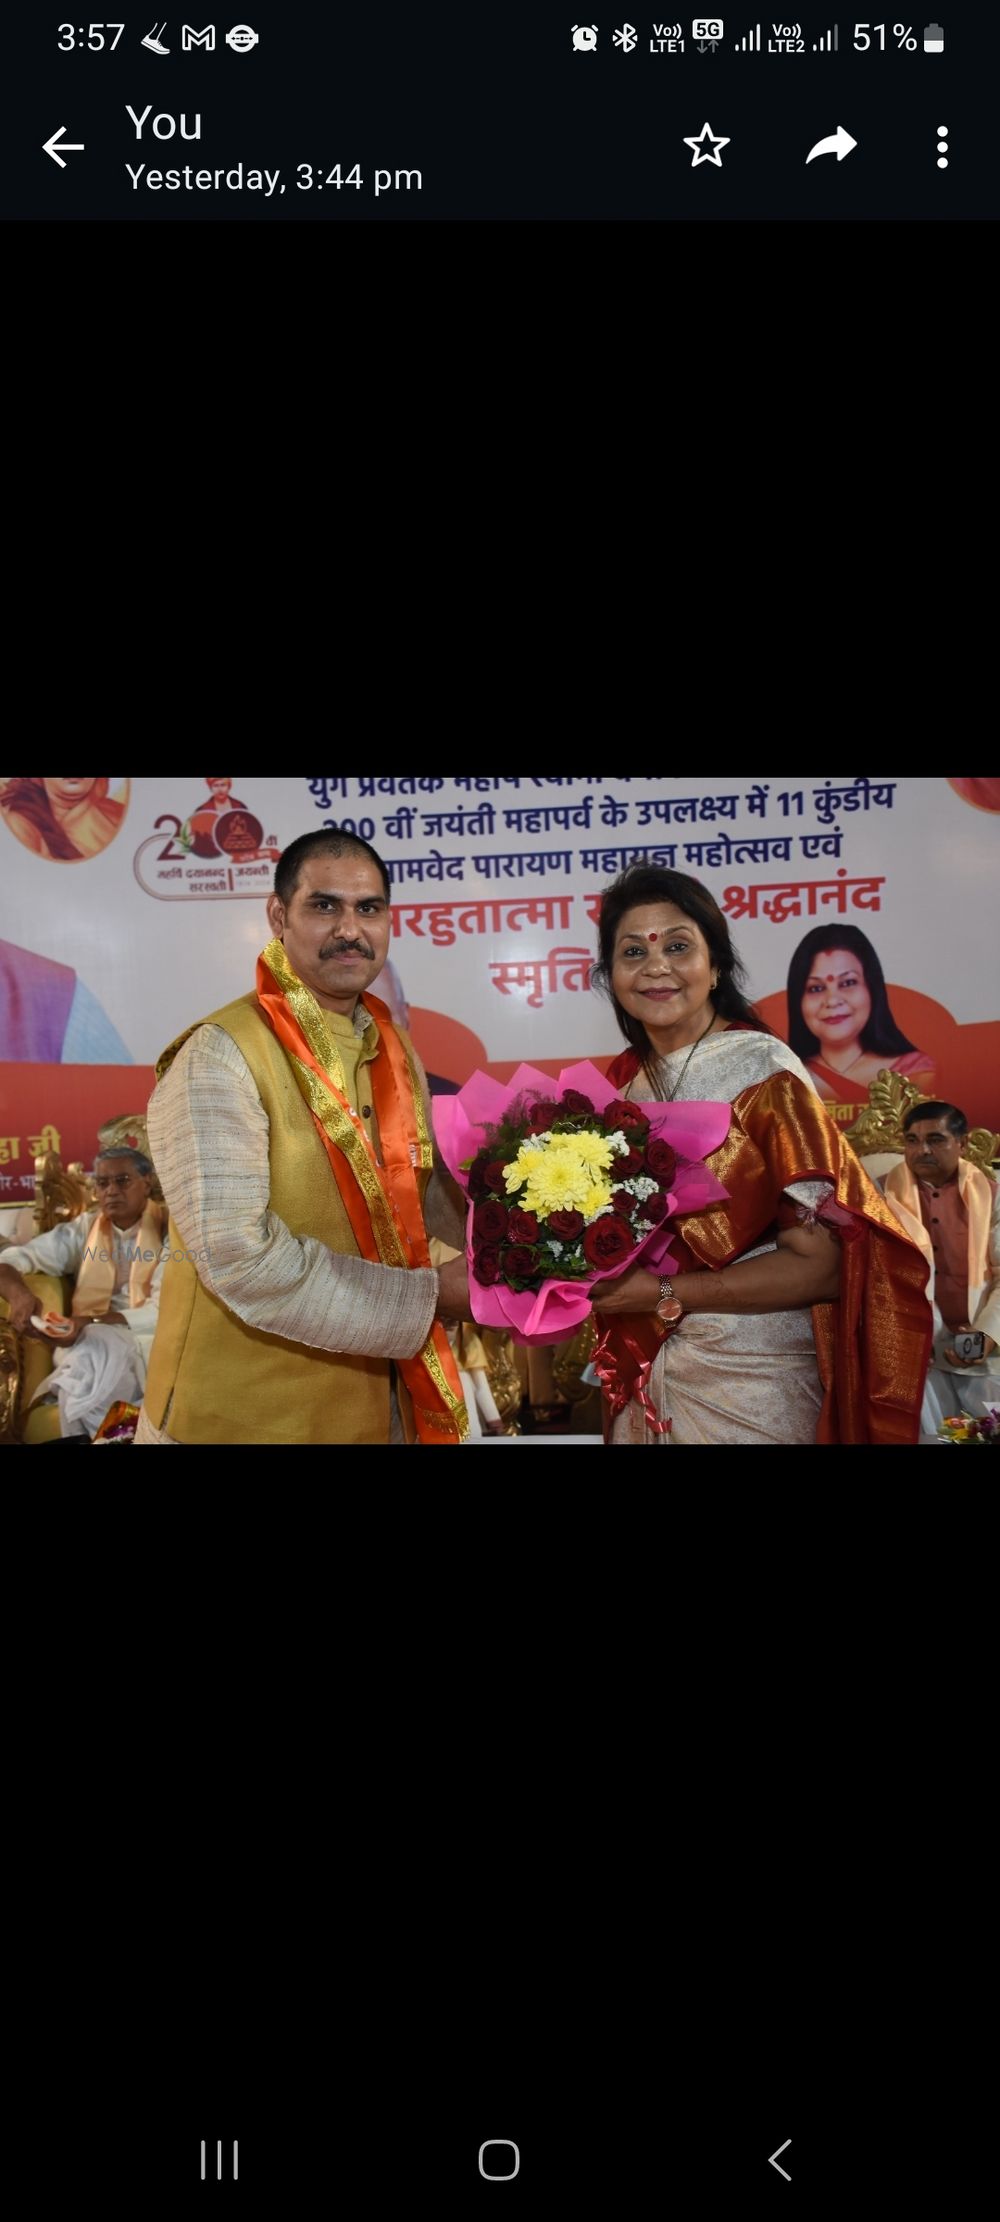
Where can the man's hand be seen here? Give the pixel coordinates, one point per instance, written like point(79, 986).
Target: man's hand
point(65, 1342)
point(453, 1290)
point(953, 1358)
point(21, 1301)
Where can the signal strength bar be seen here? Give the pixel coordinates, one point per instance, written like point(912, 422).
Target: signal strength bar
point(751, 44)
point(829, 43)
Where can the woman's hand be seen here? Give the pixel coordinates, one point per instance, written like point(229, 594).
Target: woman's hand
point(635, 1291)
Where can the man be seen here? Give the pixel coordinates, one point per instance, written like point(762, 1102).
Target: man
point(114, 1256)
point(48, 1017)
point(221, 799)
point(291, 1132)
point(951, 1210)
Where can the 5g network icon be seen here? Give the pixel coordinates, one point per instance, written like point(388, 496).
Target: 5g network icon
point(499, 2173)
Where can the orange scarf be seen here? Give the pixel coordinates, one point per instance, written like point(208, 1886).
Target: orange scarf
point(95, 1282)
point(977, 1196)
point(382, 1201)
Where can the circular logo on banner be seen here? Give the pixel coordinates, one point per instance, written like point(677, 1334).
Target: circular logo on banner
point(238, 833)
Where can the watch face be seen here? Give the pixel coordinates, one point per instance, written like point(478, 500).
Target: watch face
point(670, 1310)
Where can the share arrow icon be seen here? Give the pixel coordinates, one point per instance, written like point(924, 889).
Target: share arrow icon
point(773, 2160)
point(840, 144)
point(57, 145)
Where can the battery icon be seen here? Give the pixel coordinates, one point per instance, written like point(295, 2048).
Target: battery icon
point(933, 38)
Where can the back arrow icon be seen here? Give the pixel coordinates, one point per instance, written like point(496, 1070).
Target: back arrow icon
point(57, 145)
point(773, 2157)
point(840, 144)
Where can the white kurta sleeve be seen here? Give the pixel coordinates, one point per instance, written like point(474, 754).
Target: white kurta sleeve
point(59, 1251)
point(209, 1136)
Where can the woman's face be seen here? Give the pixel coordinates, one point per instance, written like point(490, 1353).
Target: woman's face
point(66, 792)
point(836, 1004)
point(661, 973)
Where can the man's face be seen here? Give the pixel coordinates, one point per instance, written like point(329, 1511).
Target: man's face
point(336, 928)
point(121, 1190)
point(932, 1151)
point(219, 786)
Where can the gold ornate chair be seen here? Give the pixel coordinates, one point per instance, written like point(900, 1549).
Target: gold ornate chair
point(570, 1361)
point(504, 1378)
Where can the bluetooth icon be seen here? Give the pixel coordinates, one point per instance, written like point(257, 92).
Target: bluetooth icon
point(627, 38)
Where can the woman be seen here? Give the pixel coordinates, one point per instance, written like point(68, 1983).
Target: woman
point(839, 1021)
point(796, 1312)
point(63, 818)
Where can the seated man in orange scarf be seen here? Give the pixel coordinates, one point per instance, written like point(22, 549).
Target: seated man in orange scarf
point(292, 1137)
point(114, 1257)
point(951, 1210)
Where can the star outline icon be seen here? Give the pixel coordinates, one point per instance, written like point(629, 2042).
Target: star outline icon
point(700, 153)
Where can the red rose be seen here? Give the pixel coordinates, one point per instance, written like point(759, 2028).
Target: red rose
point(575, 1103)
point(477, 1179)
point(654, 1208)
point(628, 1117)
point(607, 1242)
point(662, 1161)
point(627, 1167)
point(486, 1267)
point(522, 1226)
point(622, 1202)
point(542, 1116)
point(519, 1262)
point(489, 1223)
point(565, 1225)
point(494, 1174)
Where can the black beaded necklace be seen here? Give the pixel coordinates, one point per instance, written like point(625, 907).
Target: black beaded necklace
point(658, 1092)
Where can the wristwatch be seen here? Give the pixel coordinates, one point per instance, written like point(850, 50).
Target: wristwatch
point(669, 1309)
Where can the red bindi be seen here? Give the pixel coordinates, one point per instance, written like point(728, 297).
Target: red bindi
point(654, 937)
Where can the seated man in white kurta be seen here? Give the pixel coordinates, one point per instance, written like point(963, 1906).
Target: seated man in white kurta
point(114, 1257)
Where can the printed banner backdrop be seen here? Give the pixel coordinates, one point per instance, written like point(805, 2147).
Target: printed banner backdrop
point(133, 907)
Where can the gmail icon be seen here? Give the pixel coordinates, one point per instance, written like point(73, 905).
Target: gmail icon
point(205, 38)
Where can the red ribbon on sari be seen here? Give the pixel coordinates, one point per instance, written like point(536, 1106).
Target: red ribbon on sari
point(623, 1361)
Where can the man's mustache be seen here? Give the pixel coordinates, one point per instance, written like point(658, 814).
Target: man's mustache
point(348, 949)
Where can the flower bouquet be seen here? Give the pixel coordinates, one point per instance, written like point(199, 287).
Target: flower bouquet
point(569, 1185)
point(962, 1428)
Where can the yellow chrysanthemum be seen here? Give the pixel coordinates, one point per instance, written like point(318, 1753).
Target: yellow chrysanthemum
point(559, 1182)
point(592, 1149)
point(516, 1173)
